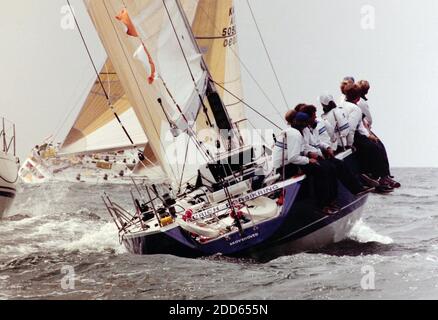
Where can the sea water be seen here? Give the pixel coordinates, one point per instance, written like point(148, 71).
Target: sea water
point(58, 242)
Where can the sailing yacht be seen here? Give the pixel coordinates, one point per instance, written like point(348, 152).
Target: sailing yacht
point(46, 164)
point(178, 63)
point(95, 150)
point(8, 166)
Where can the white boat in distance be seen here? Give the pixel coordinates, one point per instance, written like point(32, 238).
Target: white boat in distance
point(8, 165)
point(45, 164)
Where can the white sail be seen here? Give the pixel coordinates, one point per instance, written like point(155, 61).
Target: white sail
point(110, 137)
point(96, 129)
point(166, 94)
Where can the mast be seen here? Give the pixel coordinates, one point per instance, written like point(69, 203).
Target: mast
point(215, 30)
point(223, 119)
point(162, 73)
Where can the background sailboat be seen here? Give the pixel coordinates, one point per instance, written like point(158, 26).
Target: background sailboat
point(8, 165)
point(96, 147)
point(96, 129)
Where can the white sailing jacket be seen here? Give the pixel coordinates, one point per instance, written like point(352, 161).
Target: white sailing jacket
point(363, 105)
point(337, 126)
point(289, 148)
point(354, 115)
point(316, 139)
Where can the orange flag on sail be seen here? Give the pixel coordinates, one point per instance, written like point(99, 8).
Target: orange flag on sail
point(124, 17)
point(142, 54)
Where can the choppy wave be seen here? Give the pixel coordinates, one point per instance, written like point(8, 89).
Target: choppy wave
point(54, 226)
point(363, 233)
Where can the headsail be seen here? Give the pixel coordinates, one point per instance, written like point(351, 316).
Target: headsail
point(96, 129)
point(171, 103)
point(208, 19)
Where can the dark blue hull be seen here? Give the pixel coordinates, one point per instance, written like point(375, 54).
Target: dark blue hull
point(298, 221)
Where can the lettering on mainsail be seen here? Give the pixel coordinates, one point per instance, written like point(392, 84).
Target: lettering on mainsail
point(230, 32)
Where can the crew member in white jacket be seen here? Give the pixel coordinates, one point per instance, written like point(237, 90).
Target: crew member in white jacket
point(373, 159)
point(346, 81)
point(364, 87)
point(317, 136)
point(336, 122)
point(363, 103)
point(314, 136)
point(354, 115)
point(289, 160)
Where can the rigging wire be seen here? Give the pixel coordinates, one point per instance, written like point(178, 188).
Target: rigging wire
point(191, 74)
point(105, 93)
point(199, 146)
point(7, 181)
point(268, 55)
point(260, 135)
point(245, 67)
point(73, 108)
point(184, 166)
point(98, 74)
point(246, 104)
point(136, 80)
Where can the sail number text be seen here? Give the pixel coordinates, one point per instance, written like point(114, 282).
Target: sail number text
point(230, 35)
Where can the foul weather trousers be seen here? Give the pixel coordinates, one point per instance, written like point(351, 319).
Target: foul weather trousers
point(372, 156)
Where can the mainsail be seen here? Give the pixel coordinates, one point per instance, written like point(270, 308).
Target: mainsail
point(146, 37)
point(96, 129)
point(214, 26)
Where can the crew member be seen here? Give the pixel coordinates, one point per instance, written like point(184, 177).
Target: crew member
point(373, 161)
point(364, 88)
point(289, 160)
point(336, 122)
point(314, 136)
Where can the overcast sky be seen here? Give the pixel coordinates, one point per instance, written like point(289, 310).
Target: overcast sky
point(313, 44)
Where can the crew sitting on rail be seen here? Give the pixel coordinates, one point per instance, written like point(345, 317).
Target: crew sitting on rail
point(336, 121)
point(370, 155)
point(364, 88)
point(317, 147)
point(289, 160)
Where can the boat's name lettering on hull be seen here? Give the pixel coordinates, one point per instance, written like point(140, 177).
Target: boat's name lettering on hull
point(251, 196)
point(251, 236)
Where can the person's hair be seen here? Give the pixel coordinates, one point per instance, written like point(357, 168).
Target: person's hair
point(290, 116)
point(344, 84)
point(364, 87)
point(300, 107)
point(309, 110)
point(332, 105)
point(352, 92)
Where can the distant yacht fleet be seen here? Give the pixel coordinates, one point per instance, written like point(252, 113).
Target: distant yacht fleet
point(45, 164)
